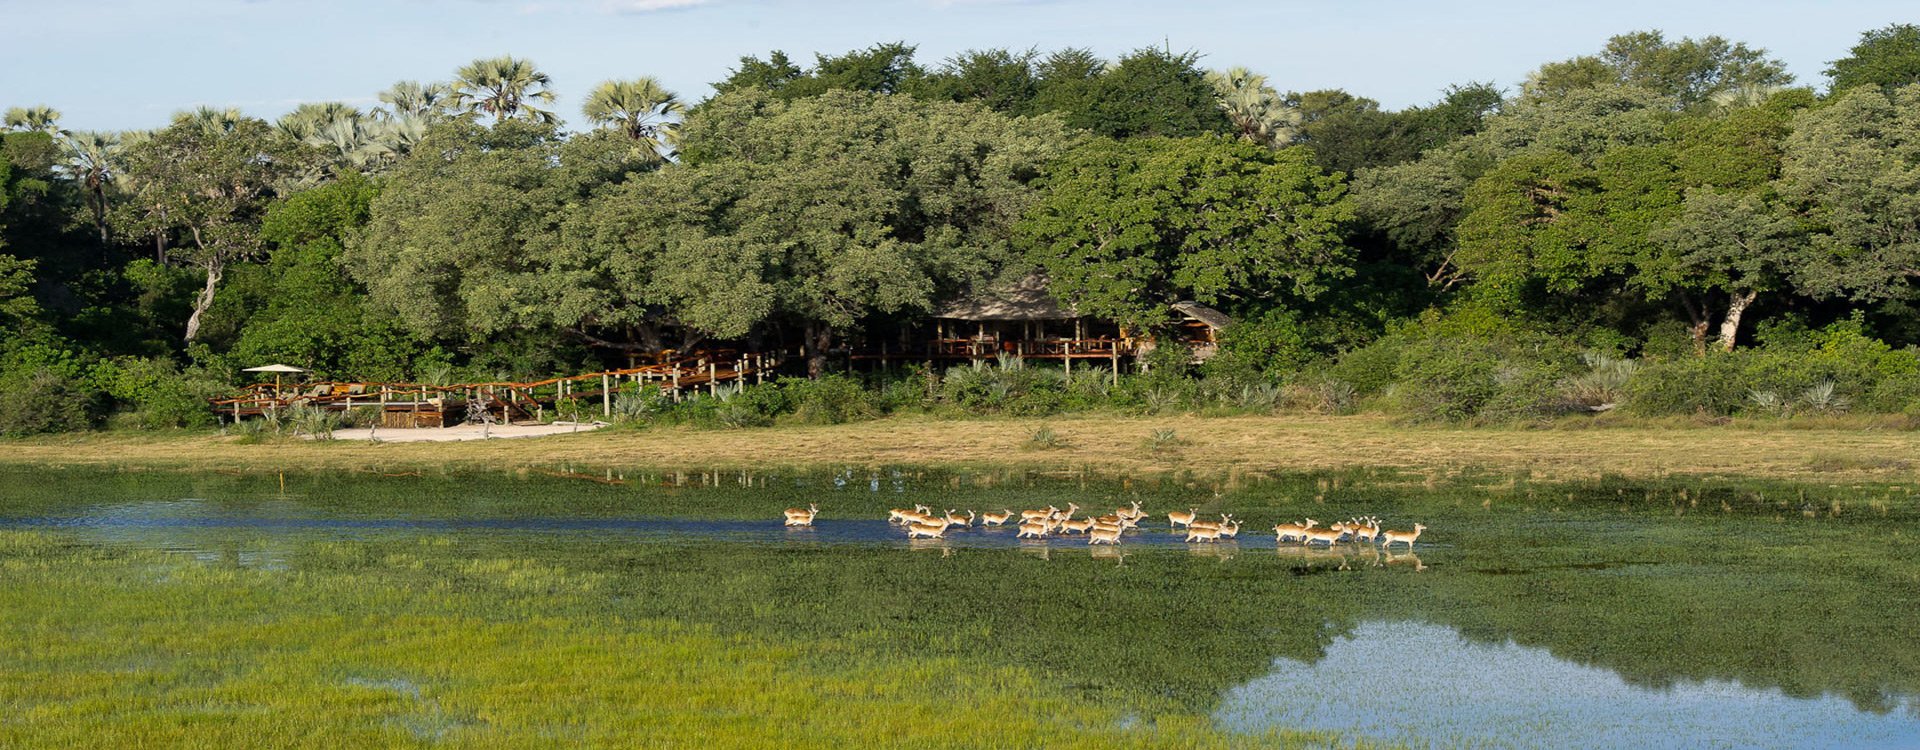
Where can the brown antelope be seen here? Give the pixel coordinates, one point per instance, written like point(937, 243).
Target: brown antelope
point(965, 523)
point(1065, 515)
point(802, 516)
point(1387, 538)
point(1287, 531)
point(1181, 518)
point(995, 519)
point(1229, 528)
point(1203, 533)
point(1134, 513)
point(918, 530)
point(1365, 532)
point(1038, 515)
point(904, 516)
point(1104, 535)
point(1034, 529)
point(1080, 526)
point(1330, 535)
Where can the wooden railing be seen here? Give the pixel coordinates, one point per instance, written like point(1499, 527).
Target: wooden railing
point(674, 378)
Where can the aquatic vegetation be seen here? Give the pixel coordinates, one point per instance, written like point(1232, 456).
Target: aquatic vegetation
point(502, 609)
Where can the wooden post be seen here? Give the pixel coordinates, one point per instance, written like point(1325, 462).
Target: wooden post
point(606, 397)
point(713, 378)
point(676, 382)
point(1114, 354)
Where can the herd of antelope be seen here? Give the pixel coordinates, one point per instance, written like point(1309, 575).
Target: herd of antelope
point(921, 522)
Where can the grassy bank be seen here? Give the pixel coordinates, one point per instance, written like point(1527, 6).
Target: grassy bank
point(1831, 449)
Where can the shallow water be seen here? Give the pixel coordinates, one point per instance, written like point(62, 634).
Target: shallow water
point(1416, 682)
point(1596, 615)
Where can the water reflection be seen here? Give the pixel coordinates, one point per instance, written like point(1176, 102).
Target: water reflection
point(1419, 683)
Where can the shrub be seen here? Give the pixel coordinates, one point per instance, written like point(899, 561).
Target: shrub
point(1602, 386)
point(832, 399)
point(43, 399)
point(153, 393)
point(1714, 385)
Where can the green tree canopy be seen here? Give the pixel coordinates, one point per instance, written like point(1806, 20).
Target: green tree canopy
point(1150, 92)
point(205, 181)
point(1886, 57)
point(820, 211)
point(1689, 71)
point(1126, 228)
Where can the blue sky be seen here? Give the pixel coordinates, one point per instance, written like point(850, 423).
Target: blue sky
point(113, 64)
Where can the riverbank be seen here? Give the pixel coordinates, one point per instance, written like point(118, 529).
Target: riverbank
point(1834, 450)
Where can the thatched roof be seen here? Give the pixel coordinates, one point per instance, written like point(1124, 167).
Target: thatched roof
point(1213, 318)
point(1026, 299)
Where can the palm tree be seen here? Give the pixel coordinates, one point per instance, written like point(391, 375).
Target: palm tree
point(416, 99)
point(41, 119)
point(641, 108)
point(1256, 110)
point(212, 121)
point(93, 159)
point(308, 120)
point(502, 87)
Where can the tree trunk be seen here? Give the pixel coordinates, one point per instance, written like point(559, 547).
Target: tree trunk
point(1698, 314)
point(1730, 325)
point(817, 338)
point(215, 268)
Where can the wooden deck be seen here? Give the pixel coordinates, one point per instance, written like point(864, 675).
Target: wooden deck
point(432, 405)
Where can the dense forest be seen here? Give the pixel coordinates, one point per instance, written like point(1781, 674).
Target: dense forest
point(1661, 226)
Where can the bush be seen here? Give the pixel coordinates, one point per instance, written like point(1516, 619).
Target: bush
point(1714, 385)
point(152, 393)
point(833, 399)
point(43, 399)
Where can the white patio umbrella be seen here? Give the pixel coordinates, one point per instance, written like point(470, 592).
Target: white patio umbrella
point(276, 369)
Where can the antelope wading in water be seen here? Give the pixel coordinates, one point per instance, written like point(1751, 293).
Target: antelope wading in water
point(1367, 531)
point(965, 523)
point(1387, 538)
point(1203, 533)
point(926, 531)
point(1080, 526)
point(1181, 518)
point(1287, 531)
point(1038, 515)
point(1034, 529)
point(1066, 515)
point(995, 519)
point(1229, 528)
point(902, 515)
point(1329, 535)
point(1134, 513)
point(802, 516)
point(1104, 535)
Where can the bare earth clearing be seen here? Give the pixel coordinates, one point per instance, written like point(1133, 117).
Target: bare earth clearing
point(1111, 443)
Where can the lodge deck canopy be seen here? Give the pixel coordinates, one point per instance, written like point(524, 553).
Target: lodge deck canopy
point(1026, 299)
point(1213, 318)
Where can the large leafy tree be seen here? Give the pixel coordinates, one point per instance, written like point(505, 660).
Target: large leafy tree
point(1887, 57)
point(505, 87)
point(1853, 169)
point(462, 242)
point(1002, 80)
point(205, 181)
point(1125, 228)
point(1682, 215)
point(882, 68)
point(1151, 92)
point(820, 212)
point(1419, 206)
point(1690, 72)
